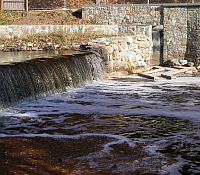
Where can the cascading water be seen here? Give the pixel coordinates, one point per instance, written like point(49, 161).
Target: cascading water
point(41, 76)
point(124, 125)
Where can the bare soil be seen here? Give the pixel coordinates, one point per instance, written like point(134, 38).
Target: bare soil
point(41, 18)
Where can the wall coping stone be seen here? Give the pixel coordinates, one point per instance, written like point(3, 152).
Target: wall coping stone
point(172, 5)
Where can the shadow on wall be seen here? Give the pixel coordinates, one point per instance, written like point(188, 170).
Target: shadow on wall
point(158, 41)
point(161, 36)
point(193, 38)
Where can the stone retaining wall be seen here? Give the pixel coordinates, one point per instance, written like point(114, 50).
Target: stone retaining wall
point(181, 33)
point(175, 33)
point(131, 53)
point(121, 53)
point(122, 14)
point(10, 31)
point(193, 33)
point(181, 25)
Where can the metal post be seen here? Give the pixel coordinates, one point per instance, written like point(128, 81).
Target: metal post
point(26, 5)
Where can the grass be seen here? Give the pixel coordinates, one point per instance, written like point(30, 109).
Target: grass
point(40, 18)
point(56, 37)
point(8, 17)
point(48, 14)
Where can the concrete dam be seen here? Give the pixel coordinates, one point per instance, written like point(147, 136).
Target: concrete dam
point(45, 76)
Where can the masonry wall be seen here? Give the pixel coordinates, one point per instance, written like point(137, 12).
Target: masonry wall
point(121, 53)
point(182, 33)
point(124, 15)
point(27, 37)
point(131, 53)
point(193, 33)
point(181, 25)
point(10, 31)
point(175, 33)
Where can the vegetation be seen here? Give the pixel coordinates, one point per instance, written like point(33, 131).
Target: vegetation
point(40, 18)
point(9, 17)
point(58, 37)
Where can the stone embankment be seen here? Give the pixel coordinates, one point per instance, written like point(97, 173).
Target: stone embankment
point(131, 53)
point(181, 25)
point(50, 37)
point(121, 53)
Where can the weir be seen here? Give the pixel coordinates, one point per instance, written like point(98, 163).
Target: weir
point(45, 76)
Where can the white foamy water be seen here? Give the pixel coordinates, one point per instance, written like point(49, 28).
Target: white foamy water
point(82, 111)
point(171, 98)
point(128, 95)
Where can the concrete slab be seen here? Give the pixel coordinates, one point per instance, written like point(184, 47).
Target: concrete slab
point(172, 74)
point(165, 72)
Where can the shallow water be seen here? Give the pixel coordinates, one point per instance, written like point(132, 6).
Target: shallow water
point(160, 118)
point(20, 56)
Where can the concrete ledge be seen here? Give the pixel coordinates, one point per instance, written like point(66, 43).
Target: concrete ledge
point(150, 5)
point(10, 31)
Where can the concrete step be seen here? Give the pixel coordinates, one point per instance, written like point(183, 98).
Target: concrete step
point(172, 74)
point(165, 72)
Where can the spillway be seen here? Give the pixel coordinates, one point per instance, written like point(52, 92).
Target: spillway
point(45, 76)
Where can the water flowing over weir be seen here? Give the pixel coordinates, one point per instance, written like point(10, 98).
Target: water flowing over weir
point(45, 76)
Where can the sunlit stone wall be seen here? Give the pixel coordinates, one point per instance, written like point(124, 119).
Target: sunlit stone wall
point(129, 53)
point(181, 25)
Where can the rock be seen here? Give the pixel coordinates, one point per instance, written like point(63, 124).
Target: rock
point(183, 62)
point(120, 48)
point(85, 47)
point(23, 47)
point(141, 39)
point(29, 44)
point(171, 63)
point(190, 64)
point(49, 44)
point(109, 49)
point(56, 46)
point(34, 48)
point(1, 47)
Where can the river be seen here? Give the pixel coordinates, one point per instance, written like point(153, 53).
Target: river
point(124, 125)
